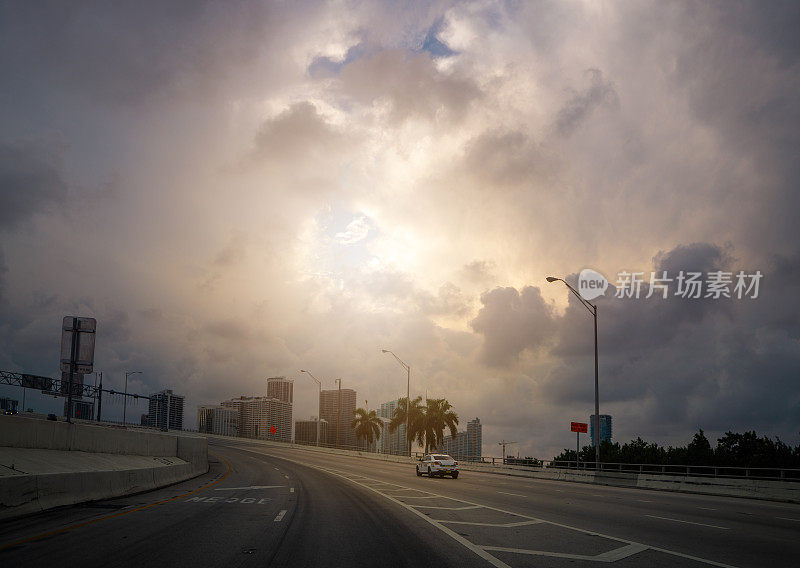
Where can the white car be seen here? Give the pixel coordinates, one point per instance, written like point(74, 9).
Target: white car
point(437, 464)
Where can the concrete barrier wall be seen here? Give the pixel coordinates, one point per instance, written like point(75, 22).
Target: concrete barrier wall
point(177, 458)
point(21, 432)
point(787, 491)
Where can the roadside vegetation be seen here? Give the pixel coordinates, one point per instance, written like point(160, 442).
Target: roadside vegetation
point(732, 450)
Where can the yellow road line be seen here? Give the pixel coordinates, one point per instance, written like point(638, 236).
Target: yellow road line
point(121, 513)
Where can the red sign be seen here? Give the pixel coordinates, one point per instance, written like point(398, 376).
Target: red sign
point(273, 429)
point(579, 427)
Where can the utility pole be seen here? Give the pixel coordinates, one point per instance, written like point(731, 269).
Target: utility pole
point(100, 397)
point(339, 419)
point(504, 444)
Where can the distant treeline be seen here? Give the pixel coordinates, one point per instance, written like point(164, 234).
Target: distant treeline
point(732, 450)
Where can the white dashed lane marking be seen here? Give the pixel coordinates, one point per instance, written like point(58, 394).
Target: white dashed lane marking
point(514, 494)
point(291, 490)
point(688, 522)
point(279, 518)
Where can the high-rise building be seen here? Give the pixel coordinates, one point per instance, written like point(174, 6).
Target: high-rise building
point(280, 388)
point(605, 428)
point(220, 420)
point(305, 431)
point(166, 410)
point(331, 403)
point(258, 415)
point(466, 445)
point(392, 442)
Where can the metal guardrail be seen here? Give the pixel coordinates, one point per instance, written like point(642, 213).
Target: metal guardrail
point(684, 470)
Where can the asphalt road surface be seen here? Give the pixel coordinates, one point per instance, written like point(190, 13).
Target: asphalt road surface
point(270, 506)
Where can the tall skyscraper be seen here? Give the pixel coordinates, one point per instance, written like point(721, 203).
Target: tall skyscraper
point(392, 442)
point(339, 422)
point(166, 409)
point(259, 414)
point(606, 431)
point(280, 388)
point(220, 420)
point(466, 445)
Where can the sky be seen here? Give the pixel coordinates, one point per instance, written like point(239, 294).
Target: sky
point(237, 190)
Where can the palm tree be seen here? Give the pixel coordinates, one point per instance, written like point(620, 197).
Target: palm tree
point(416, 418)
point(427, 423)
point(367, 425)
point(439, 417)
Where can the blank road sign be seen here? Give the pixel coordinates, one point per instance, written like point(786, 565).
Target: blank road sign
point(84, 358)
point(579, 427)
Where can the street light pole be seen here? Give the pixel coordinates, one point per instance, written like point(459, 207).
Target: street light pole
point(125, 402)
point(408, 395)
point(593, 310)
point(319, 400)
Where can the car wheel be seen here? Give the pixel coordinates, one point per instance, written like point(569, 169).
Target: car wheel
point(429, 472)
point(455, 475)
point(419, 474)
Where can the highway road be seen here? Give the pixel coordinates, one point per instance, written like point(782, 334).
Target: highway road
point(272, 506)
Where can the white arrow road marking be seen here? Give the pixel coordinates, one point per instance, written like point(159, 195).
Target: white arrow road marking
point(246, 488)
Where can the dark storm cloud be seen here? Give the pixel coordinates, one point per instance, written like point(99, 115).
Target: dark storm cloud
point(599, 93)
point(31, 180)
point(710, 363)
point(127, 52)
point(510, 322)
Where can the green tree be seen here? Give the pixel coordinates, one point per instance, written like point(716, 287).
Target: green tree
point(699, 452)
point(439, 416)
point(366, 424)
point(416, 418)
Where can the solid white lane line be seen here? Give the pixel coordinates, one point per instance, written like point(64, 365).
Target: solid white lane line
point(447, 508)
point(246, 488)
point(644, 501)
point(508, 525)
point(279, 518)
point(788, 519)
point(514, 494)
point(688, 522)
point(707, 508)
point(412, 496)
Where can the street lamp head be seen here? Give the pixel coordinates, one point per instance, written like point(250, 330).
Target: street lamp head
point(303, 371)
point(384, 350)
point(551, 279)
